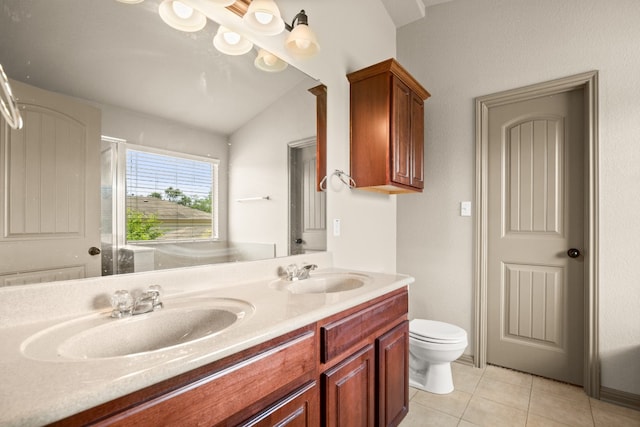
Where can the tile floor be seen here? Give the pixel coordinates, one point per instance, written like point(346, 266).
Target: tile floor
point(496, 397)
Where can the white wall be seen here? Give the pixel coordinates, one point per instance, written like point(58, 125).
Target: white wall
point(258, 167)
point(468, 48)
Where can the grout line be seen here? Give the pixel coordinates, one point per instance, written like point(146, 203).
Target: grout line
point(473, 393)
point(593, 419)
point(529, 405)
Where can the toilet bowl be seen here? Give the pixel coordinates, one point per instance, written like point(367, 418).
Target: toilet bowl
point(433, 346)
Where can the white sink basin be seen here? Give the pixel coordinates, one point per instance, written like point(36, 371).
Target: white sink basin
point(319, 283)
point(99, 336)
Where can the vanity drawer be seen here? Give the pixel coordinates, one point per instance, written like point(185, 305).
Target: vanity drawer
point(341, 334)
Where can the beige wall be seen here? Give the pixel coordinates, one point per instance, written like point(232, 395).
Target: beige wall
point(468, 48)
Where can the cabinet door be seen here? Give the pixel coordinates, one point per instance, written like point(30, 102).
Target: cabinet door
point(349, 397)
point(417, 141)
point(392, 350)
point(401, 141)
point(299, 409)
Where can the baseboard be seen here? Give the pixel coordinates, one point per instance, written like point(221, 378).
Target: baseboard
point(465, 359)
point(622, 398)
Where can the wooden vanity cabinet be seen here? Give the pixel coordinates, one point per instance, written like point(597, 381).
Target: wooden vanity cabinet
point(387, 129)
point(364, 362)
point(348, 369)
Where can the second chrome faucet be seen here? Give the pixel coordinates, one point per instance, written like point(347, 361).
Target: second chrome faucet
point(293, 272)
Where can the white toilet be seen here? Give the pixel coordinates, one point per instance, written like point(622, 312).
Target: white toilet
point(432, 347)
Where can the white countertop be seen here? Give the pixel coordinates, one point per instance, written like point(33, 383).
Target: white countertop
point(35, 392)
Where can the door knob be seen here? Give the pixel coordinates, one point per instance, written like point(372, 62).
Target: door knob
point(573, 253)
point(299, 241)
point(94, 251)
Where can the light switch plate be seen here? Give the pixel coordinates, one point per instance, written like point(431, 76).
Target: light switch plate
point(336, 227)
point(465, 208)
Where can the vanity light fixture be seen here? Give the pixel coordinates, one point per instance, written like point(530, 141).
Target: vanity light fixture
point(301, 41)
point(267, 61)
point(231, 43)
point(182, 17)
point(263, 17)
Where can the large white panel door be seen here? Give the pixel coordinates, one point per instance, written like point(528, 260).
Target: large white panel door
point(535, 300)
point(50, 181)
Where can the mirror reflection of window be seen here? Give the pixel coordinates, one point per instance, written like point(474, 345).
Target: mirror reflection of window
point(169, 197)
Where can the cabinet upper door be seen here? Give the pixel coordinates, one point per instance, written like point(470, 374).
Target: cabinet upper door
point(401, 142)
point(407, 144)
point(417, 141)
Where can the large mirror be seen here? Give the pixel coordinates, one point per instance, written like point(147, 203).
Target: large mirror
point(155, 106)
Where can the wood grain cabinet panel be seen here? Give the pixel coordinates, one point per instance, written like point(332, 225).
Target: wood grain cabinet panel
point(392, 351)
point(349, 391)
point(387, 129)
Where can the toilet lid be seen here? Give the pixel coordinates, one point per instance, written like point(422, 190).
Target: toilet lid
point(434, 331)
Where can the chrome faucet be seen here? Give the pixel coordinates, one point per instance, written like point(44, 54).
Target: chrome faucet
point(293, 272)
point(124, 305)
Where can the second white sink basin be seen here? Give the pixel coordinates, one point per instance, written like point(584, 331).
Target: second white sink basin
point(99, 336)
point(319, 283)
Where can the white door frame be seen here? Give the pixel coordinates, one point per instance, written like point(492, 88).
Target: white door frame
point(588, 82)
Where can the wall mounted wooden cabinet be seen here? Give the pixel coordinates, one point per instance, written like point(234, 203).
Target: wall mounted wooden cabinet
point(387, 129)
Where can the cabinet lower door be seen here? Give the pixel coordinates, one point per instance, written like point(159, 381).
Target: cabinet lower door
point(392, 357)
point(299, 409)
point(349, 397)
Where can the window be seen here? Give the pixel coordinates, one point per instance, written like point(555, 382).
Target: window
point(170, 196)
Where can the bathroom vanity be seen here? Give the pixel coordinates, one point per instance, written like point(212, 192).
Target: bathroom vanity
point(300, 355)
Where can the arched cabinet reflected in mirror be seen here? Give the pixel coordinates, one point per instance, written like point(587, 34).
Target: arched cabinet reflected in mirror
point(147, 107)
